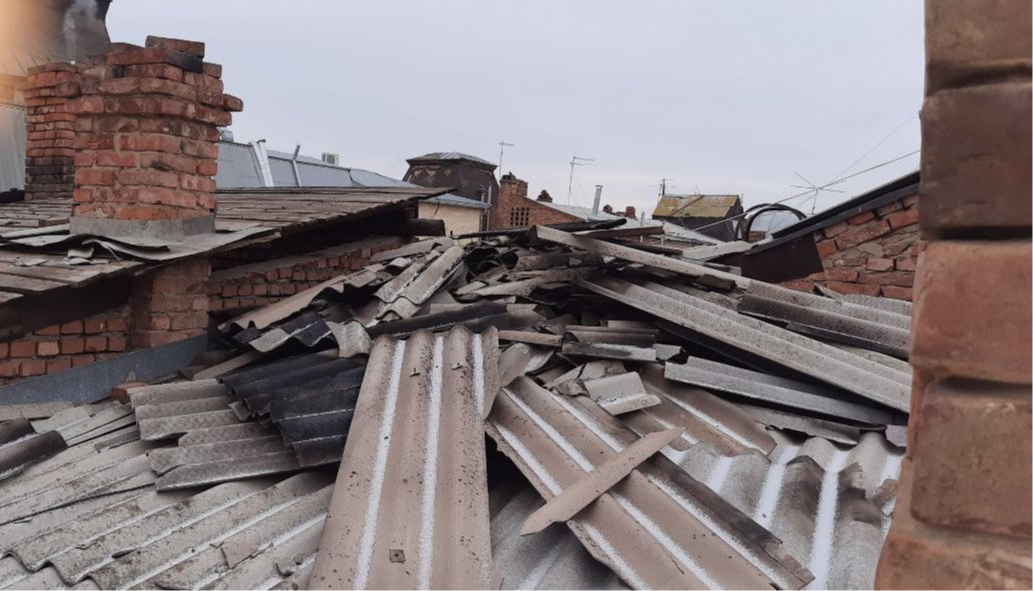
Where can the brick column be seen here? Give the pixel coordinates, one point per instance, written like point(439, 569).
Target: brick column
point(963, 519)
point(170, 304)
point(49, 152)
point(147, 141)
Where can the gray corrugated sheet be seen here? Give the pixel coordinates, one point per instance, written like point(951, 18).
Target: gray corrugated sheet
point(850, 372)
point(238, 166)
point(12, 147)
point(550, 559)
point(829, 505)
point(658, 527)
point(418, 443)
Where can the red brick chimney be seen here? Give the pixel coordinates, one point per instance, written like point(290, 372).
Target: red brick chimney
point(146, 122)
point(511, 186)
point(544, 197)
point(629, 212)
point(146, 129)
point(50, 149)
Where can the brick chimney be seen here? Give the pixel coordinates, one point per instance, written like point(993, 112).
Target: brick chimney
point(608, 209)
point(544, 197)
point(50, 149)
point(511, 186)
point(145, 126)
point(629, 212)
point(146, 122)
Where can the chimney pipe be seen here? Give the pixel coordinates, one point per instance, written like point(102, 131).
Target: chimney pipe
point(598, 197)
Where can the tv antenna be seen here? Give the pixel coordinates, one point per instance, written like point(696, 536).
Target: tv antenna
point(502, 148)
point(575, 161)
point(815, 189)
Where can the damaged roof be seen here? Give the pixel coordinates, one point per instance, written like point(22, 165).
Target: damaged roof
point(654, 421)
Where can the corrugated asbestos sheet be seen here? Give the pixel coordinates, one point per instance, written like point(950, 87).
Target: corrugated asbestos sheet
point(658, 528)
point(417, 443)
point(91, 517)
point(774, 414)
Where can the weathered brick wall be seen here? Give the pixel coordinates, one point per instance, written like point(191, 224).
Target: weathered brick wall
point(963, 519)
point(62, 346)
point(513, 197)
point(873, 253)
point(269, 281)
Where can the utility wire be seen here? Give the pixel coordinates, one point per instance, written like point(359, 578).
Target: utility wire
point(881, 142)
point(810, 191)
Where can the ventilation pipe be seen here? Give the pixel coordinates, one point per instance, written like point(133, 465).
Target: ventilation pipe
point(598, 198)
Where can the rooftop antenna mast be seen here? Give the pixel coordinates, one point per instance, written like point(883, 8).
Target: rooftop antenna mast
point(815, 188)
point(575, 161)
point(502, 148)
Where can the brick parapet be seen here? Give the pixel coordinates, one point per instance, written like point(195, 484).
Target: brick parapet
point(269, 281)
point(872, 253)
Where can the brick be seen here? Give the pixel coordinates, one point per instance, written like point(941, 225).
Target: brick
point(23, 348)
point(232, 103)
point(863, 233)
point(121, 391)
point(967, 39)
point(189, 320)
point(976, 155)
point(921, 556)
point(897, 293)
point(156, 55)
point(49, 331)
point(117, 325)
point(836, 229)
point(880, 264)
point(32, 367)
point(799, 285)
point(47, 348)
point(190, 47)
point(213, 70)
point(117, 343)
point(963, 290)
point(5, 350)
point(94, 325)
point(888, 209)
point(827, 248)
point(834, 274)
point(81, 360)
point(94, 344)
point(860, 218)
point(848, 288)
point(975, 445)
point(902, 219)
point(58, 364)
point(9, 368)
point(73, 346)
point(906, 263)
point(898, 278)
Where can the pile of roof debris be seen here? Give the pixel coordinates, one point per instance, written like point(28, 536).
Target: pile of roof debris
point(652, 421)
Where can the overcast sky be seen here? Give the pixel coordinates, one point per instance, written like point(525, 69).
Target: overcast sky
point(723, 97)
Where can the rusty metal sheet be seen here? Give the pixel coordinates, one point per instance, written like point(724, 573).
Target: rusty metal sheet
point(658, 528)
point(417, 440)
